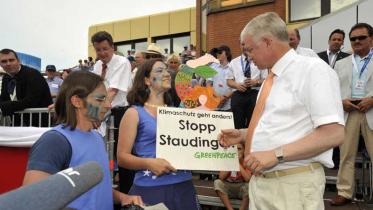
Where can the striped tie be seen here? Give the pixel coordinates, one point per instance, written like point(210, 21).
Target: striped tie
point(103, 72)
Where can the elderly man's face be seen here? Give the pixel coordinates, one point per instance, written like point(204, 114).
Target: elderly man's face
point(10, 63)
point(258, 51)
point(293, 39)
point(104, 51)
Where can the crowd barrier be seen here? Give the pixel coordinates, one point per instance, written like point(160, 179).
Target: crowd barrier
point(19, 132)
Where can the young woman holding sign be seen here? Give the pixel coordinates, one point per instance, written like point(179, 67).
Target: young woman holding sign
point(156, 180)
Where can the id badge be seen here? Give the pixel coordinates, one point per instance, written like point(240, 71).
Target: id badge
point(359, 85)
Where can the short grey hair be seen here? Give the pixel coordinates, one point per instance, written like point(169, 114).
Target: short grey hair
point(266, 24)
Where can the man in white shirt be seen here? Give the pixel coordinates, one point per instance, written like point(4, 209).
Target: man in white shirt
point(116, 71)
point(301, 120)
point(294, 39)
point(245, 79)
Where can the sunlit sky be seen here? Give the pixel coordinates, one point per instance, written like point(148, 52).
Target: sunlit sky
point(57, 31)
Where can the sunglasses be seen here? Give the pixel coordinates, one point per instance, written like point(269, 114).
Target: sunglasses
point(360, 38)
point(149, 56)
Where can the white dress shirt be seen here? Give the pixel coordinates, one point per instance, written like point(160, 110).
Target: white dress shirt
point(118, 76)
point(305, 95)
point(237, 68)
point(306, 52)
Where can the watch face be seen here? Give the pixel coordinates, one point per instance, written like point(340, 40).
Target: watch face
point(279, 154)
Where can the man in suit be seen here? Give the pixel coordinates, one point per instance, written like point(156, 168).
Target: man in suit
point(356, 83)
point(22, 87)
point(334, 53)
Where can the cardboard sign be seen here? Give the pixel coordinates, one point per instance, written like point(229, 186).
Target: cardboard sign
point(187, 138)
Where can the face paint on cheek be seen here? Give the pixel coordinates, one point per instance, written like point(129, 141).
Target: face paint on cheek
point(93, 112)
point(155, 80)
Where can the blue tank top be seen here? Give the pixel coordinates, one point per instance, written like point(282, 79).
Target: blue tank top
point(89, 146)
point(145, 147)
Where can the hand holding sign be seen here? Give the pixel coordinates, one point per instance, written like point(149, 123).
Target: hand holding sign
point(159, 166)
point(229, 137)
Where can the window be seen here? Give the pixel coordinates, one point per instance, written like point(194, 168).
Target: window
point(174, 43)
point(339, 4)
point(138, 45)
point(124, 48)
point(304, 9)
point(222, 5)
point(226, 3)
point(141, 46)
point(179, 43)
point(164, 43)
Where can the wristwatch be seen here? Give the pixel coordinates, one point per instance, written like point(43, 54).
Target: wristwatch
point(279, 152)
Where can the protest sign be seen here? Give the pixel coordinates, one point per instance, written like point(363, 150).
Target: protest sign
point(187, 138)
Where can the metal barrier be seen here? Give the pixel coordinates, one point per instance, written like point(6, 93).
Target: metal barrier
point(31, 116)
point(367, 179)
point(109, 140)
point(38, 115)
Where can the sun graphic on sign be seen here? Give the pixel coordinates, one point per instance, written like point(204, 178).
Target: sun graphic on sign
point(192, 95)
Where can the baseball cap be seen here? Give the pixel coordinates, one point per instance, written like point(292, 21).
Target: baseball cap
point(50, 68)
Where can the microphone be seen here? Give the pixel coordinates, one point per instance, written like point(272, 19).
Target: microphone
point(56, 191)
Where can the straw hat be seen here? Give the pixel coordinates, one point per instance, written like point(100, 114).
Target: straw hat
point(154, 49)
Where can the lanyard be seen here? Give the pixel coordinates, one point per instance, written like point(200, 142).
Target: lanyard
point(366, 62)
point(242, 64)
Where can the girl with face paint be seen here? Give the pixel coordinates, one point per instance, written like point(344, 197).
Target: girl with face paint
point(80, 106)
point(156, 180)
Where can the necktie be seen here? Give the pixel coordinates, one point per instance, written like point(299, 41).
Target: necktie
point(103, 72)
point(247, 72)
point(11, 85)
point(258, 110)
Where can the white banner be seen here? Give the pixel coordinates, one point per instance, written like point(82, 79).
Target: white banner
point(187, 138)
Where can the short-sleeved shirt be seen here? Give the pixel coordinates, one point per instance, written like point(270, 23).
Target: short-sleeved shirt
point(51, 153)
point(118, 76)
point(219, 84)
point(54, 84)
point(237, 67)
point(306, 52)
point(305, 95)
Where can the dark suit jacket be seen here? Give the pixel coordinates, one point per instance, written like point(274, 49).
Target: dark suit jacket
point(324, 55)
point(32, 91)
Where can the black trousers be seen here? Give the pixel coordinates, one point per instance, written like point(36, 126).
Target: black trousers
point(125, 176)
point(242, 104)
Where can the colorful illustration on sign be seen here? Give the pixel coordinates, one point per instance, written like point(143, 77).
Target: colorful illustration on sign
point(193, 95)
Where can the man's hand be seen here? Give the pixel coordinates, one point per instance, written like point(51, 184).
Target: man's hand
point(160, 166)
point(365, 104)
point(223, 99)
point(50, 107)
point(257, 162)
point(241, 87)
point(348, 106)
point(229, 137)
point(130, 199)
point(251, 82)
